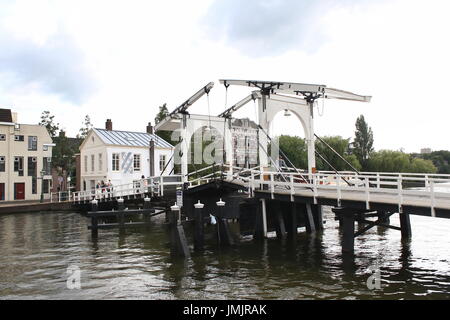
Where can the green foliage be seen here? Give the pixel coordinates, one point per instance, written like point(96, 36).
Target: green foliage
point(87, 126)
point(295, 149)
point(63, 153)
point(341, 146)
point(363, 143)
point(47, 120)
point(396, 161)
point(440, 159)
point(162, 114)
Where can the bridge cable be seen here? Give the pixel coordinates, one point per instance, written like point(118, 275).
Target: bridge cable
point(284, 155)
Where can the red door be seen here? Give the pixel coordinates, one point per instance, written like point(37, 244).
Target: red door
point(19, 191)
point(2, 191)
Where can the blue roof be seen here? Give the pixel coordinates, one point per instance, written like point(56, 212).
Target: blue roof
point(132, 139)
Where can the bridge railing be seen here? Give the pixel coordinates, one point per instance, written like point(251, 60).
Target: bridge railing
point(431, 187)
point(156, 186)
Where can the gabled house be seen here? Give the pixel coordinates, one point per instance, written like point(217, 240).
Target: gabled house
point(122, 157)
point(25, 159)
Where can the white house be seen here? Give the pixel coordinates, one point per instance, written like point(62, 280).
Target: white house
point(122, 156)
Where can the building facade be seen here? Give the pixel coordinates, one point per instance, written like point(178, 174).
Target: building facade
point(245, 143)
point(121, 157)
point(25, 159)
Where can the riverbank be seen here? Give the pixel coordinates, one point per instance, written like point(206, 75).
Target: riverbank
point(33, 206)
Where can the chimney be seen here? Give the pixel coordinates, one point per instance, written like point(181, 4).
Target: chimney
point(108, 125)
point(150, 128)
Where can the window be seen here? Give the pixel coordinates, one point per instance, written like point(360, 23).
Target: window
point(115, 162)
point(32, 166)
point(2, 163)
point(47, 166)
point(92, 162)
point(162, 162)
point(100, 162)
point(19, 138)
point(2, 137)
point(137, 162)
point(85, 164)
point(18, 165)
point(32, 143)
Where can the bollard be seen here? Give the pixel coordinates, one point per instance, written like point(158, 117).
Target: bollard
point(120, 213)
point(348, 238)
point(224, 236)
point(94, 219)
point(198, 229)
point(177, 237)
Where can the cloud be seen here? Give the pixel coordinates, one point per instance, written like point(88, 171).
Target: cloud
point(261, 28)
point(55, 66)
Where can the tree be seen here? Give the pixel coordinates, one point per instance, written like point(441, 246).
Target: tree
point(162, 114)
point(363, 143)
point(397, 161)
point(441, 159)
point(47, 120)
point(295, 149)
point(87, 126)
point(341, 146)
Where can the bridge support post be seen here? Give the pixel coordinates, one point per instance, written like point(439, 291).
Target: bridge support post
point(94, 219)
point(177, 237)
point(348, 236)
point(147, 213)
point(121, 214)
point(318, 217)
point(261, 222)
point(405, 225)
point(293, 222)
point(198, 228)
point(224, 234)
point(279, 223)
point(309, 220)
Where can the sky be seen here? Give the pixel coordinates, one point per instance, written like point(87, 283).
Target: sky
point(123, 59)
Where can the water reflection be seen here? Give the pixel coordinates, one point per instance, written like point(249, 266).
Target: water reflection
point(37, 249)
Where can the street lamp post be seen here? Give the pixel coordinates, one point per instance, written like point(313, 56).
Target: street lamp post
point(42, 185)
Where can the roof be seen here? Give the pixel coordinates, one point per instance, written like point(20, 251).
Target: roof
point(5, 115)
point(132, 139)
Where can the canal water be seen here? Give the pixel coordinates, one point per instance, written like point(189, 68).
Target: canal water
point(39, 251)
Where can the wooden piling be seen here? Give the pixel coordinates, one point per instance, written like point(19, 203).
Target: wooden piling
point(318, 217)
point(198, 227)
point(147, 213)
point(120, 214)
point(178, 240)
point(259, 224)
point(348, 238)
point(225, 237)
point(405, 225)
point(293, 222)
point(280, 227)
point(94, 219)
point(309, 220)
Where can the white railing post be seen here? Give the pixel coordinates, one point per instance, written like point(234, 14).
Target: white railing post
point(378, 181)
point(161, 185)
point(400, 192)
point(292, 188)
point(272, 186)
point(367, 193)
point(338, 184)
point(433, 200)
point(316, 194)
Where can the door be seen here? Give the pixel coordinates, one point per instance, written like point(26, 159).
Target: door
point(19, 191)
point(2, 191)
